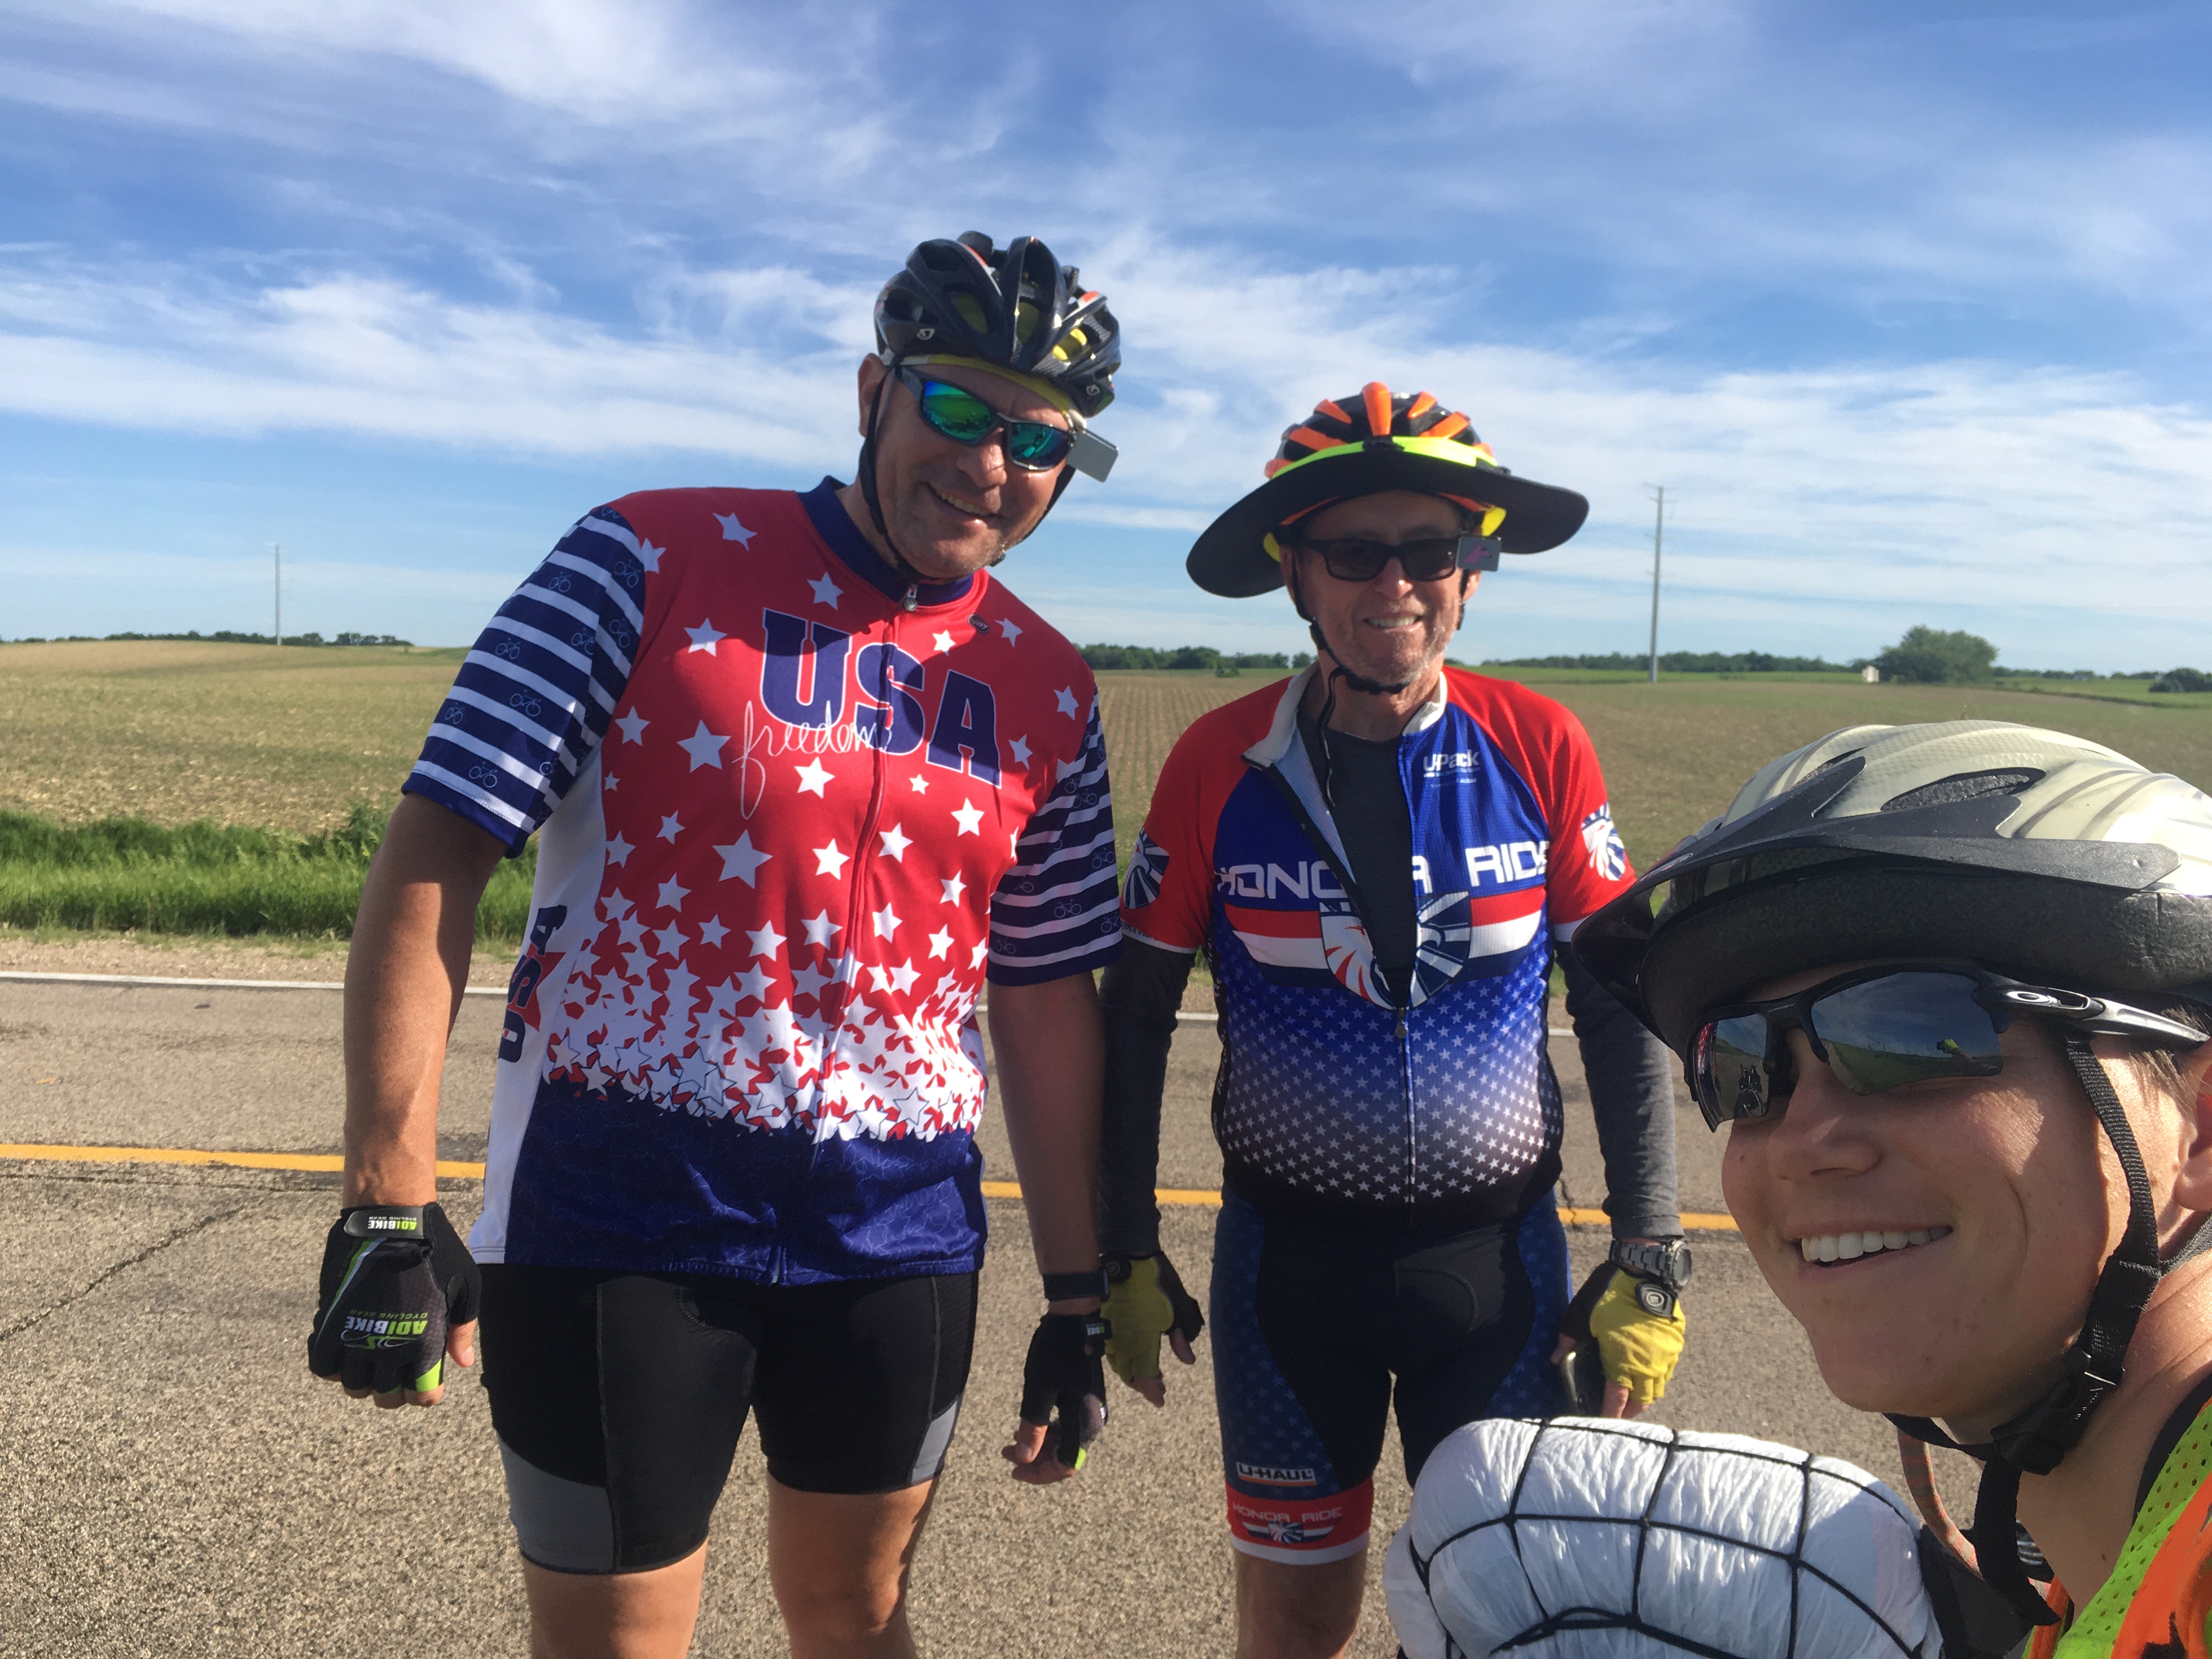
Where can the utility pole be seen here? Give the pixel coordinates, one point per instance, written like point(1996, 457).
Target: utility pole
point(276, 552)
point(1658, 535)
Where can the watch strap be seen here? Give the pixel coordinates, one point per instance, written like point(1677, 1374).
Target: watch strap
point(1070, 1287)
point(1667, 1263)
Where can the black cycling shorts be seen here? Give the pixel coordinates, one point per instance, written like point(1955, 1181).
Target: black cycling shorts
point(1315, 1328)
point(619, 1397)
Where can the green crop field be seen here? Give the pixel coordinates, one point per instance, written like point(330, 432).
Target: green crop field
point(312, 745)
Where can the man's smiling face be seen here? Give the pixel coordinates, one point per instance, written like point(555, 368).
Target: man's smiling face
point(1390, 629)
point(952, 509)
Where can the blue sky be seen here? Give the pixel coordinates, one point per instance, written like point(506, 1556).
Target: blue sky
point(1907, 305)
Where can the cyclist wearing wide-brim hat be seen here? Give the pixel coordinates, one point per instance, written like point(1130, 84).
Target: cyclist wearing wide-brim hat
point(1376, 859)
point(808, 776)
point(1949, 988)
point(1366, 444)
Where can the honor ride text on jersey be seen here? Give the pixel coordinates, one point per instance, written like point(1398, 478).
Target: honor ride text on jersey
point(1333, 1102)
point(788, 826)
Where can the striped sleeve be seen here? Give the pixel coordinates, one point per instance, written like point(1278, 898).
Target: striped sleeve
point(1057, 911)
point(532, 698)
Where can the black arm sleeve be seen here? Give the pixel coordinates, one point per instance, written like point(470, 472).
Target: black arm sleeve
point(1142, 991)
point(1632, 1088)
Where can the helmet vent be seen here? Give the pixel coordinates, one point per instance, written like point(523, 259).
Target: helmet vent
point(1965, 786)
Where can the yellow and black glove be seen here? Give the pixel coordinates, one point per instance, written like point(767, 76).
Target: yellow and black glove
point(1627, 1329)
point(1144, 1301)
point(1638, 1327)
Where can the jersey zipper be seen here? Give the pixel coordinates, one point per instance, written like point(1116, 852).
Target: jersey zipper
point(1400, 1003)
point(856, 904)
point(855, 909)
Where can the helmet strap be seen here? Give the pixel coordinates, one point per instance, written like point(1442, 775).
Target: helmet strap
point(867, 469)
point(2035, 1441)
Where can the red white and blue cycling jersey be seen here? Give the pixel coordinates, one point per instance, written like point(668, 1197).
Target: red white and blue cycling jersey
point(794, 814)
point(1334, 1103)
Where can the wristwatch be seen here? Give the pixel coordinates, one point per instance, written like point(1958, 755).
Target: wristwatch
point(1667, 1262)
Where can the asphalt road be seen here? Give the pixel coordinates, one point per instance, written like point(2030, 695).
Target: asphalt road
point(173, 1482)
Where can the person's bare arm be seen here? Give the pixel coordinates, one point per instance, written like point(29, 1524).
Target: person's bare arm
point(404, 977)
point(1049, 1042)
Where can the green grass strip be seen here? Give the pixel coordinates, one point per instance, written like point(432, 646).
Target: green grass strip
point(209, 878)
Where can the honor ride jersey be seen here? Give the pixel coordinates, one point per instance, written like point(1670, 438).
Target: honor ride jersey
point(1339, 1100)
point(794, 814)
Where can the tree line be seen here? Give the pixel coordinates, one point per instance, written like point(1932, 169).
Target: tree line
point(220, 636)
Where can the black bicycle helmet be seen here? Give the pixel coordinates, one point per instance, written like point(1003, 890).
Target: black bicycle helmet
point(1018, 307)
point(2031, 852)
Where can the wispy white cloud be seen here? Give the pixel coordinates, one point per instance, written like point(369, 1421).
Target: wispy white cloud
point(564, 229)
point(1870, 482)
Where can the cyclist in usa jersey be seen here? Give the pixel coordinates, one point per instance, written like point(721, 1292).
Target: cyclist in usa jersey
point(805, 777)
point(1375, 859)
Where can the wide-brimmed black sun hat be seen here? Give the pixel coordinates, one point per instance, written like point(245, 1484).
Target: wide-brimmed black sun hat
point(1363, 445)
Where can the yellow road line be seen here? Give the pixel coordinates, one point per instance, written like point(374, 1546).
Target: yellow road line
point(319, 1163)
point(326, 1163)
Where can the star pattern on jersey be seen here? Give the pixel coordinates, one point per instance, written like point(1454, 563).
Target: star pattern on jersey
point(1488, 1110)
point(704, 748)
point(788, 1010)
point(741, 859)
point(900, 979)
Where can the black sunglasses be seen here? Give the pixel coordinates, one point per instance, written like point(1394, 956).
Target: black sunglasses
point(958, 414)
point(1432, 558)
point(1881, 1028)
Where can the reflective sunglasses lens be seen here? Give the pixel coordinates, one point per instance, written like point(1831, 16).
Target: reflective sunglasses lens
point(1731, 1070)
point(1035, 445)
point(960, 416)
point(1906, 1028)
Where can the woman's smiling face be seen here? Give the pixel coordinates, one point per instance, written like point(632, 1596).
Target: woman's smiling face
point(1938, 1241)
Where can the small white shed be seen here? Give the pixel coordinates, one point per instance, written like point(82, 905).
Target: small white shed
point(1870, 674)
